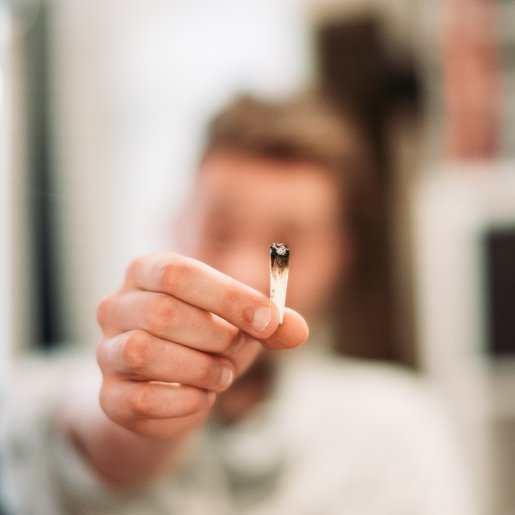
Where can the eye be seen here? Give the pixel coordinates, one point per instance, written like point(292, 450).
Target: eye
point(220, 233)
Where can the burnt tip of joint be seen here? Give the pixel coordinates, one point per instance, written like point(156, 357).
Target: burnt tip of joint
point(279, 250)
point(279, 256)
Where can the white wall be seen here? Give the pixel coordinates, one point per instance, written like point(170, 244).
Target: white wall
point(133, 83)
point(453, 208)
point(5, 205)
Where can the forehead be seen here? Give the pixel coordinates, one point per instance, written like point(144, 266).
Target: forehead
point(250, 186)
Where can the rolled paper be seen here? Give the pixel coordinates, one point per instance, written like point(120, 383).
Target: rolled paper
point(279, 267)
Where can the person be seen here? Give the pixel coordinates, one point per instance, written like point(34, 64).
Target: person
point(207, 404)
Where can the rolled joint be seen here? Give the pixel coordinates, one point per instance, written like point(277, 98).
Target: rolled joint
point(279, 267)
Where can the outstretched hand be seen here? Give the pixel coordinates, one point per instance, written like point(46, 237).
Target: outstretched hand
point(175, 335)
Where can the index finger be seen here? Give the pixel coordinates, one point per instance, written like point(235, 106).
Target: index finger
point(200, 285)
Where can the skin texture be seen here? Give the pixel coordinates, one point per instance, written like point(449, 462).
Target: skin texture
point(181, 329)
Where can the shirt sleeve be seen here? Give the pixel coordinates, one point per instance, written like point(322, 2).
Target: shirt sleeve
point(40, 469)
point(43, 473)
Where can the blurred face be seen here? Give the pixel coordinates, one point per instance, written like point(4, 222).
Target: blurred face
point(241, 204)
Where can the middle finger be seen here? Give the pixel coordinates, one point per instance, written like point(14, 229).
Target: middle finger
point(170, 319)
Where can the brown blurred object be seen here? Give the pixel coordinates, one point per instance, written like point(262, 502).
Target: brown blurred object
point(471, 79)
point(362, 70)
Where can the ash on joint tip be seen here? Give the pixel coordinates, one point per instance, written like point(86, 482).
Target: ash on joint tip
point(279, 255)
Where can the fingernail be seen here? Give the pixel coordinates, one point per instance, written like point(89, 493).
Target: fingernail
point(226, 377)
point(261, 319)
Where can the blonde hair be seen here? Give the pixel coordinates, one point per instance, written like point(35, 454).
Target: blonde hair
point(305, 127)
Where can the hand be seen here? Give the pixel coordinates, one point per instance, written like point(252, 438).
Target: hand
point(175, 335)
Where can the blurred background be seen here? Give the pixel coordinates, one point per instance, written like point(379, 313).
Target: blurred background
point(102, 108)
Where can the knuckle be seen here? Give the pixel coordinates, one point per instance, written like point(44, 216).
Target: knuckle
point(135, 350)
point(100, 354)
point(236, 302)
point(174, 272)
point(140, 400)
point(160, 313)
point(104, 309)
point(205, 372)
point(135, 266)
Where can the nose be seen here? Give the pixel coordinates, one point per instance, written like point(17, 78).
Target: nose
point(248, 264)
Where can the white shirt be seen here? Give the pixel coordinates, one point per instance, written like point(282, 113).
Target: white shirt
point(336, 437)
